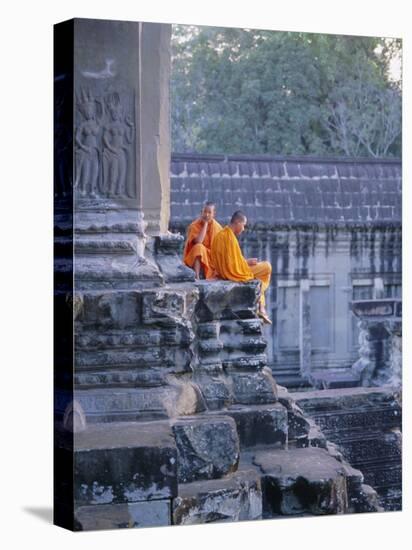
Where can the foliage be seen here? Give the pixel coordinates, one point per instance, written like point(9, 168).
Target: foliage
point(253, 91)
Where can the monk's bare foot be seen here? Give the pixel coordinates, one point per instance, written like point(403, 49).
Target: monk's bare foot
point(262, 313)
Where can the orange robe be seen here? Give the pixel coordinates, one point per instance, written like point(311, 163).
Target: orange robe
point(230, 264)
point(193, 250)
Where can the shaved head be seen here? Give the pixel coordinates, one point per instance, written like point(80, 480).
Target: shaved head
point(208, 211)
point(238, 216)
point(238, 222)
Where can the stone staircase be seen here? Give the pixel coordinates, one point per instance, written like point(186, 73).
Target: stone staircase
point(202, 468)
point(366, 425)
point(182, 420)
point(344, 378)
point(290, 377)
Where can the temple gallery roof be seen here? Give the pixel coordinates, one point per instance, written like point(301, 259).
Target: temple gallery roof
point(287, 190)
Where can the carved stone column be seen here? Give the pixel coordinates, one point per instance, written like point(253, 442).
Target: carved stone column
point(305, 343)
point(121, 150)
point(380, 339)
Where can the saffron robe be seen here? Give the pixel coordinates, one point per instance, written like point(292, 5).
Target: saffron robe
point(229, 263)
point(194, 250)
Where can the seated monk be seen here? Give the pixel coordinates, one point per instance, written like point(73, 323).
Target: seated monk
point(230, 264)
point(200, 235)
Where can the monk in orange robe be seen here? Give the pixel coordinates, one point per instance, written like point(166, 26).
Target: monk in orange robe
point(200, 236)
point(230, 264)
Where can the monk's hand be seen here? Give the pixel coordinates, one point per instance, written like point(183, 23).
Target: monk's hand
point(252, 261)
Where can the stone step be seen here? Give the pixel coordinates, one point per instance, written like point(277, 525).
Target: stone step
point(285, 372)
point(120, 378)
point(281, 368)
point(174, 359)
point(260, 424)
point(292, 382)
point(115, 271)
point(235, 497)
point(106, 245)
point(365, 423)
point(307, 480)
point(207, 446)
point(328, 380)
point(108, 404)
point(124, 463)
point(290, 377)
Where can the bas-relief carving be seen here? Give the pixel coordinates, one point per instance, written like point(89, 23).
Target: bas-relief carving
point(87, 145)
point(347, 421)
point(104, 137)
point(117, 138)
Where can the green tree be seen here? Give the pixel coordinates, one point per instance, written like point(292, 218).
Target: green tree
point(253, 91)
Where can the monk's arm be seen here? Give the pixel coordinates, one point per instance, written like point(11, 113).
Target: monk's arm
point(201, 237)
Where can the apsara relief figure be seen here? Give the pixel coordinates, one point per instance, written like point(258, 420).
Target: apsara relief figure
point(87, 145)
point(117, 138)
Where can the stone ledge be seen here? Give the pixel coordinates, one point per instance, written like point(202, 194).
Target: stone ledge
point(237, 497)
point(260, 424)
point(125, 462)
point(108, 404)
point(299, 481)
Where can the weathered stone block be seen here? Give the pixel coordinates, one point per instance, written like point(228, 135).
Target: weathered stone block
point(361, 497)
point(136, 337)
point(246, 362)
point(252, 345)
point(215, 389)
point(208, 330)
point(260, 425)
point(300, 481)
point(173, 359)
point(124, 462)
point(167, 250)
point(120, 378)
point(254, 387)
point(151, 513)
point(209, 347)
point(367, 500)
point(298, 424)
point(235, 498)
point(114, 404)
point(246, 327)
point(226, 300)
point(112, 309)
point(208, 447)
point(163, 307)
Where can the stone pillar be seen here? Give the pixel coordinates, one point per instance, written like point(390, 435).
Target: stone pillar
point(380, 339)
point(121, 150)
point(121, 354)
point(305, 328)
point(395, 353)
point(156, 126)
